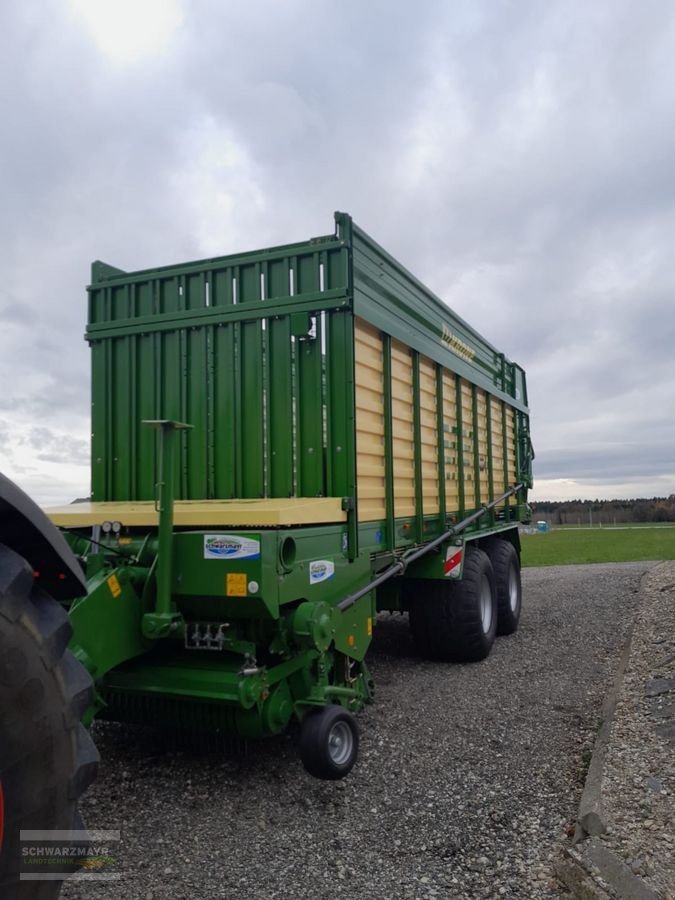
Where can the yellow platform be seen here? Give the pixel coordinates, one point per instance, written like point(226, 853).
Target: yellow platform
point(206, 513)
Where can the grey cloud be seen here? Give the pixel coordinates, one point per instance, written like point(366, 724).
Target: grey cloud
point(516, 157)
point(57, 448)
point(610, 462)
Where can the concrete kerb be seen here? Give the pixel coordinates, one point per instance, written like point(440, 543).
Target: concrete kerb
point(589, 869)
point(591, 818)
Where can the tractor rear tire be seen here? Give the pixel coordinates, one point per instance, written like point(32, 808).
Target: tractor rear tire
point(47, 758)
point(456, 621)
point(329, 742)
point(506, 563)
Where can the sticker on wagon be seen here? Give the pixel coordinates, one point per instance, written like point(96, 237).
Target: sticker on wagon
point(453, 562)
point(230, 546)
point(321, 570)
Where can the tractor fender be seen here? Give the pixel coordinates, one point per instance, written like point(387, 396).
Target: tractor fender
point(28, 531)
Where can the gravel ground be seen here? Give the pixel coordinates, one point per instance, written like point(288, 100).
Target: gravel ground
point(468, 782)
point(638, 786)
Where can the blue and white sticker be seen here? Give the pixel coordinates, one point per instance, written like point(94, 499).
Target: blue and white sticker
point(321, 570)
point(230, 546)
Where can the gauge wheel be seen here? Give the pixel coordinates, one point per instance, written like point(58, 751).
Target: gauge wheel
point(329, 742)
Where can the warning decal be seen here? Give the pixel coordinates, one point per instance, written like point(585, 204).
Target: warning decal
point(453, 562)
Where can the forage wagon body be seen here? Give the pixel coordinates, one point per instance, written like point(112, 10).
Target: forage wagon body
point(285, 442)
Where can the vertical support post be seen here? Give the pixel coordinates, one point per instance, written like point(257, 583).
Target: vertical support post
point(506, 461)
point(476, 443)
point(162, 620)
point(350, 443)
point(352, 507)
point(164, 499)
point(460, 445)
point(388, 444)
point(491, 476)
point(440, 436)
point(207, 289)
point(237, 352)
point(524, 450)
point(133, 461)
point(417, 441)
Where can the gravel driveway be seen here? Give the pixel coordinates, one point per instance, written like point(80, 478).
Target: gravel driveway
point(468, 779)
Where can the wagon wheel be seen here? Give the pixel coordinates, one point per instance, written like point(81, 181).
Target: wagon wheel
point(456, 621)
point(506, 564)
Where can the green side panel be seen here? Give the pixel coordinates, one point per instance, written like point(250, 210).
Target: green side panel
point(224, 410)
point(194, 457)
point(311, 481)
point(340, 407)
point(99, 418)
point(248, 283)
point(220, 287)
point(280, 408)
point(144, 449)
point(243, 348)
point(249, 437)
point(256, 352)
point(306, 278)
point(121, 460)
point(169, 298)
point(280, 362)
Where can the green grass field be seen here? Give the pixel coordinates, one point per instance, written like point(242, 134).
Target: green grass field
point(598, 545)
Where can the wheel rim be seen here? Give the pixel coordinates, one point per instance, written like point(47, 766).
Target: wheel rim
point(340, 743)
point(485, 604)
point(513, 589)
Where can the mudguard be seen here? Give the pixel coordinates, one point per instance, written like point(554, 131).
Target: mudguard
point(28, 531)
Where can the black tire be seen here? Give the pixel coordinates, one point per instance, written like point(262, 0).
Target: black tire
point(329, 742)
point(506, 564)
point(47, 758)
point(456, 621)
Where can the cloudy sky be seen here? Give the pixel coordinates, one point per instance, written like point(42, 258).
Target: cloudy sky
point(517, 156)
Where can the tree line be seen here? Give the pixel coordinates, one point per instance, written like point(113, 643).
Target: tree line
point(605, 512)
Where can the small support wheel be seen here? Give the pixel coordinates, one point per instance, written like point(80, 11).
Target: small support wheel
point(329, 742)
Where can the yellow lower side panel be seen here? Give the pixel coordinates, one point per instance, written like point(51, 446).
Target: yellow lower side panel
point(207, 513)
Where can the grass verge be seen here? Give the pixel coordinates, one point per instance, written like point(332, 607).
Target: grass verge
point(597, 545)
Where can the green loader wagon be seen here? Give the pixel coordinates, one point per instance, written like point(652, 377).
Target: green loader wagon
point(286, 442)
